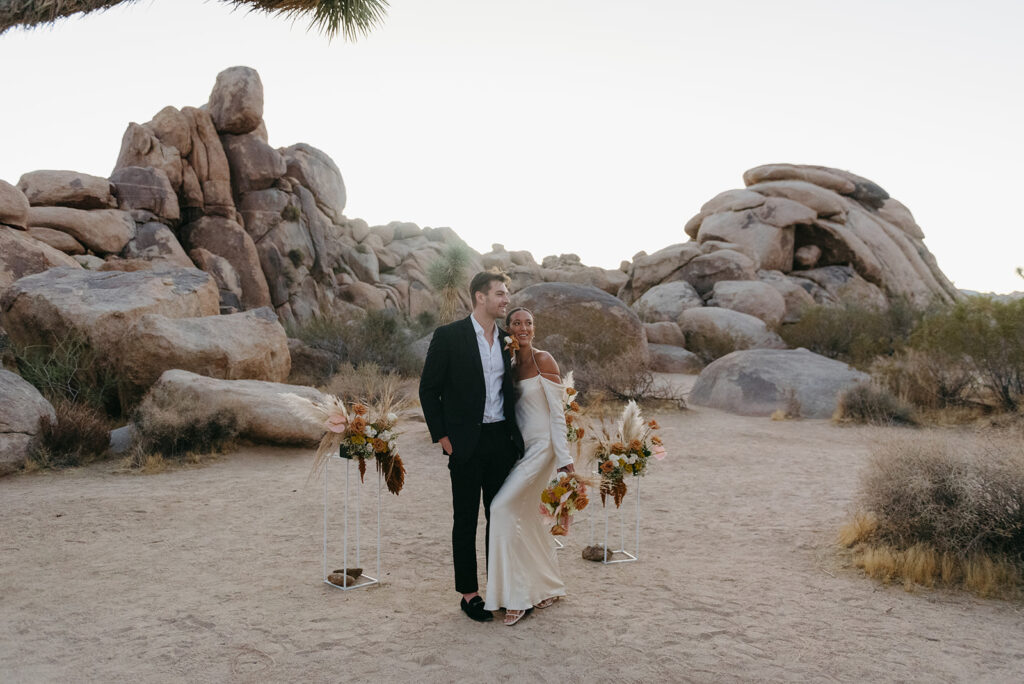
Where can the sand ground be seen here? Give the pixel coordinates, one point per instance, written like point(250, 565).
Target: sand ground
point(213, 574)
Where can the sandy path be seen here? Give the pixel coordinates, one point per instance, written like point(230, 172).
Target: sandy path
point(212, 574)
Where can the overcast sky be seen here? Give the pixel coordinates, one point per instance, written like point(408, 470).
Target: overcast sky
point(585, 126)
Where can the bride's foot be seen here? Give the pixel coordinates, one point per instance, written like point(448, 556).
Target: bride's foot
point(514, 616)
point(549, 601)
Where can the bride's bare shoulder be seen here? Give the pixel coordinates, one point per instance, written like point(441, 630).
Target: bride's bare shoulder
point(547, 366)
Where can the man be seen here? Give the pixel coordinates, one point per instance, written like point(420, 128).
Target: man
point(468, 402)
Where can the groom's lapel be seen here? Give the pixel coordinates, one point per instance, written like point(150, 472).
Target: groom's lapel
point(473, 351)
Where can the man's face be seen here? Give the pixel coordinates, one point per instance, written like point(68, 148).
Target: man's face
point(495, 302)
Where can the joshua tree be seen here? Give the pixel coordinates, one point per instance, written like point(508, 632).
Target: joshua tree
point(447, 275)
point(350, 18)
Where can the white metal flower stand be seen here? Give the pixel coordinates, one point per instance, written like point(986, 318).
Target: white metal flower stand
point(363, 580)
point(624, 556)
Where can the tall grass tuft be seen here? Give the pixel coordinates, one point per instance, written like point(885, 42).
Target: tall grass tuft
point(872, 404)
point(179, 433)
point(79, 435)
point(70, 369)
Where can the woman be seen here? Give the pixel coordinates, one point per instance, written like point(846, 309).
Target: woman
point(522, 571)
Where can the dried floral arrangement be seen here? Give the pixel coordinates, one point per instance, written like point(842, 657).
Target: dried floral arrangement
point(625, 451)
point(564, 496)
point(362, 432)
point(573, 415)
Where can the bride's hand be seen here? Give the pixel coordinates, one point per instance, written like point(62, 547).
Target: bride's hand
point(567, 469)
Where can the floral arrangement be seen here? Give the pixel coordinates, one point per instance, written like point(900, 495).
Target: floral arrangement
point(626, 452)
point(570, 398)
point(511, 346)
point(363, 433)
point(564, 496)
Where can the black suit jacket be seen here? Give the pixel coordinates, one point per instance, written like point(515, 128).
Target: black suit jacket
point(452, 390)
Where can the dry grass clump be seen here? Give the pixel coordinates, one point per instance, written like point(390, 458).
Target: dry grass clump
point(80, 435)
point(179, 433)
point(69, 369)
point(949, 512)
point(874, 405)
point(625, 378)
point(714, 344)
point(368, 383)
point(926, 379)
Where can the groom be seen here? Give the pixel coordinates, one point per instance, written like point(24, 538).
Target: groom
point(468, 402)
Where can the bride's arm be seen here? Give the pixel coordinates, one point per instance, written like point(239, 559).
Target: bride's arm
point(556, 410)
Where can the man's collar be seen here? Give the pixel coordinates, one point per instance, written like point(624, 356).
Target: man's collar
point(479, 328)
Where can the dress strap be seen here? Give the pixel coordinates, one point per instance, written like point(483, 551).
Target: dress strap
point(536, 365)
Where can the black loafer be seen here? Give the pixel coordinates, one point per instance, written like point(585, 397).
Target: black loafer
point(475, 609)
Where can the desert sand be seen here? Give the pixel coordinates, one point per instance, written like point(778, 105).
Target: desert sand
point(213, 574)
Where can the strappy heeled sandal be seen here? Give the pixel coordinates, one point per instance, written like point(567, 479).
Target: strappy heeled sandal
point(514, 616)
point(549, 601)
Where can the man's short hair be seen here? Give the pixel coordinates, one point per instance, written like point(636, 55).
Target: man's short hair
point(481, 282)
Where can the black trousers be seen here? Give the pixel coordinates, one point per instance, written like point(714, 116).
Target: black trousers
point(482, 473)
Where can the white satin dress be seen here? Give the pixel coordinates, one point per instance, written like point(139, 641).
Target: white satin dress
point(522, 567)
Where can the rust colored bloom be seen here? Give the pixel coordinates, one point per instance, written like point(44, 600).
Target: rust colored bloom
point(618, 448)
point(607, 467)
point(358, 424)
point(656, 440)
point(359, 409)
point(581, 501)
point(654, 425)
point(579, 433)
point(635, 445)
point(570, 391)
point(568, 419)
point(379, 445)
point(574, 406)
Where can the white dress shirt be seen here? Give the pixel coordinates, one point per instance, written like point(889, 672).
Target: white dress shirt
point(494, 372)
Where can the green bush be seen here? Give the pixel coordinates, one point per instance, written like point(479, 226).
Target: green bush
point(853, 333)
point(384, 338)
point(79, 435)
point(714, 344)
point(70, 370)
point(868, 403)
point(987, 334)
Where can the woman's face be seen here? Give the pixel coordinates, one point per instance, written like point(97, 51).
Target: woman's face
point(520, 325)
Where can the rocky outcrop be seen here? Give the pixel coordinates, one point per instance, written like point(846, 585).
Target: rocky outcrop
point(21, 255)
point(13, 206)
point(762, 381)
point(713, 328)
point(23, 407)
point(249, 345)
point(671, 359)
point(667, 301)
point(262, 414)
point(754, 297)
point(104, 231)
point(67, 189)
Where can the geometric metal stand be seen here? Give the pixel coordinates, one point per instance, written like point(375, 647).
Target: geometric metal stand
point(624, 556)
point(363, 580)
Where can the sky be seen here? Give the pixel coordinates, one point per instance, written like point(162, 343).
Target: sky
point(584, 126)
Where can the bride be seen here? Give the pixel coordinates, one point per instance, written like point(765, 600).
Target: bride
point(522, 571)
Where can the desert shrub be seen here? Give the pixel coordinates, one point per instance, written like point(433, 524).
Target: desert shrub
point(851, 332)
point(928, 379)
point(69, 369)
point(369, 383)
point(987, 334)
point(623, 377)
point(714, 344)
point(178, 431)
point(942, 510)
point(79, 435)
point(321, 332)
point(382, 337)
point(873, 404)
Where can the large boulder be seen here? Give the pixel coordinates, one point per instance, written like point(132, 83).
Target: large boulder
point(263, 414)
point(23, 407)
point(841, 285)
point(588, 321)
point(665, 302)
point(713, 328)
point(767, 231)
point(227, 239)
point(752, 297)
point(224, 275)
point(725, 264)
point(758, 382)
point(796, 298)
point(104, 231)
point(649, 270)
point(155, 242)
point(144, 188)
point(664, 332)
point(67, 189)
point(100, 306)
point(317, 172)
point(13, 206)
point(250, 345)
point(255, 165)
point(22, 255)
point(236, 102)
point(57, 239)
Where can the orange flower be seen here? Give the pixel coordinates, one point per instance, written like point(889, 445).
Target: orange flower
point(656, 440)
point(379, 445)
point(570, 391)
point(618, 448)
point(568, 419)
point(581, 501)
point(635, 445)
point(654, 425)
point(579, 433)
point(358, 424)
point(607, 467)
point(574, 406)
point(359, 409)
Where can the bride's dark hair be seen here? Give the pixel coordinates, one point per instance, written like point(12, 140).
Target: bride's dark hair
point(508, 316)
